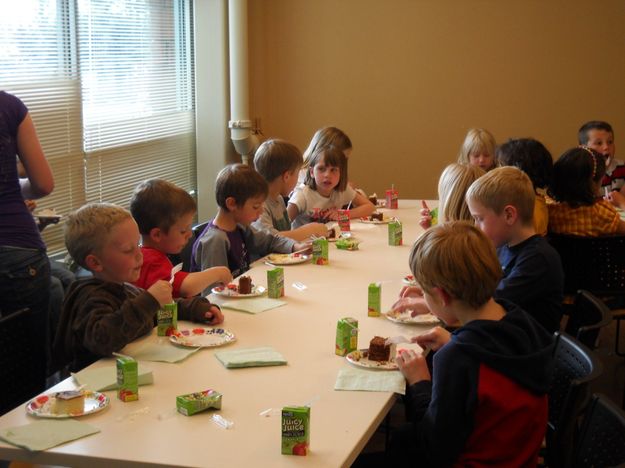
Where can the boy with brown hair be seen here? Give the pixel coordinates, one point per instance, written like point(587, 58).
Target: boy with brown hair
point(103, 314)
point(228, 239)
point(279, 162)
point(164, 214)
point(502, 205)
point(486, 402)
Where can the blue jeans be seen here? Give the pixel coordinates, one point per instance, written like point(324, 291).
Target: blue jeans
point(25, 282)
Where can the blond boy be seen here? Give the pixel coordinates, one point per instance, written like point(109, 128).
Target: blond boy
point(103, 314)
point(164, 214)
point(493, 369)
point(502, 205)
point(279, 163)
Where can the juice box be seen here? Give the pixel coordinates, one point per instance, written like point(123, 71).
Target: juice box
point(275, 282)
point(343, 219)
point(375, 299)
point(320, 251)
point(391, 198)
point(127, 379)
point(295, 430)
point(192, 403)
point(346, 336)
point(394, 232)
point(167, 319)
point(434, 215)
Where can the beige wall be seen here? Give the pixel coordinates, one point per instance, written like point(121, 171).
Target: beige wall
point(406, 79)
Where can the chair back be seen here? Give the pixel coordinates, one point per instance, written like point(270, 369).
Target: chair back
point(575, 367)
point(187, 251)
point(596, 264)
point(602, 435)
point(587, 316)
point(22, 369)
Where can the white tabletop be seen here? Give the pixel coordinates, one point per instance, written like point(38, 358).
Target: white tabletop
point(149, 432)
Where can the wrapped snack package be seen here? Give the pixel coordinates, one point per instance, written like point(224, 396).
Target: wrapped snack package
point(192, 403)
point(348, 243)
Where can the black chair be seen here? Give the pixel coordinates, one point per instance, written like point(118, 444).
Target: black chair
point(602, 436)
point(185, 255)
point(575, 367)
point(22, 359)
point(596, 264)
point(587, 315)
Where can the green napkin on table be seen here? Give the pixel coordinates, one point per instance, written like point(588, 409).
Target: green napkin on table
point(253, 306)
point(102, 379)
point(44, 434)
point(250, 357)
point(164, 352)
point(351, 378)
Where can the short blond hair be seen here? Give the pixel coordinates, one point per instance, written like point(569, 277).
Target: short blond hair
point(505, 186)
point(87, 229)
point(459, 258)
point(477, 141)
point(452, 188)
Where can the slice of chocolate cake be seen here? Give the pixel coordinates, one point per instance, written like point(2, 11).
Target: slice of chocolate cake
point(378, 351)
point(245, 285)
point(376, 215)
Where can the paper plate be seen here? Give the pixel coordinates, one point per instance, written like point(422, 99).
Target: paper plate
point(42, 406)
point(359, 358)
point(409, 280)
point(202, 337)
point(233, 293)
point(407, 319)
point(287, 259)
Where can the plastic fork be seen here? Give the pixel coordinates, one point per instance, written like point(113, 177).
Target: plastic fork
point(174, 270)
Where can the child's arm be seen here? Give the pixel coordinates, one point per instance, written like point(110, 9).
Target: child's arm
point(363, 207)
point(306, 231)
point(292, 211)
point(199, 309)
point(195, 283)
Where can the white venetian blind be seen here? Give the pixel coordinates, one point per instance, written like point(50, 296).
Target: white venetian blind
point(136, 73)
point(38, 65)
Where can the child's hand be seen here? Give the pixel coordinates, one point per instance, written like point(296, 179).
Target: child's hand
point(224, 274)
point(411, 291)
point(332, 214)
point(318, 229)
point(434, 339)
point(412, 366)
point(616, 198)
point(31, 205)
point(416, 305)
point(426, 216)
point(214, 316)
point(161, 290)
point(303, 247)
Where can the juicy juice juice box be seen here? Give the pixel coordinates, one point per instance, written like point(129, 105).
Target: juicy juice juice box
point(295, 430)
point(127, 379)
point(346, 336)
point(320, 251)
point(375, 299)
point(167, 319)
point(192, 403)
point(343, 219)
point(395, 232)
point(275, 282)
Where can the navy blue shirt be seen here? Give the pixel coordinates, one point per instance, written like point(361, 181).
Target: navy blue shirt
point(533, 279)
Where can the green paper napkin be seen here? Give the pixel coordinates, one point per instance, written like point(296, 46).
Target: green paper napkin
point(44, 434)
point(351, 378)
point(102, 379)
point(250, 357)
point(164, 352)
point(253, 306)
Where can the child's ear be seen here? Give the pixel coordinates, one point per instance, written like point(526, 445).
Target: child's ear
point(443, 296)
point(155, 234)
point(231, 203)
point(92, 262)
point(510, 214)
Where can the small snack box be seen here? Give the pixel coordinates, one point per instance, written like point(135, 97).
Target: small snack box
point(275, 282)
point(348, 243)
point(343, 219)
point(127, 379)
point(394, 232)
point(192, 403)
point(375, 300)
point(320, 251)
point(167, 319)
point(295, 430)
point(346, 336)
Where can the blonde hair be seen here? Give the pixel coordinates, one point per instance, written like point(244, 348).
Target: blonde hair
point(460, 259)
point(86, 229)
point(503, 186)
point(477, 141)
point(325, 137)
point(452, 188)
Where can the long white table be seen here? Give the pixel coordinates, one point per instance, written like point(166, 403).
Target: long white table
point(148, 432)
